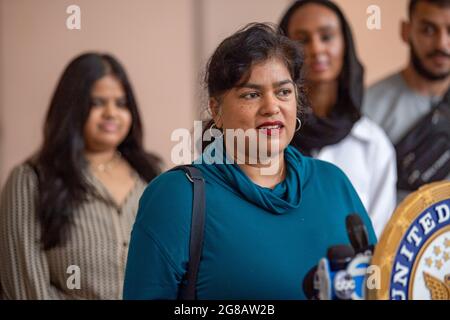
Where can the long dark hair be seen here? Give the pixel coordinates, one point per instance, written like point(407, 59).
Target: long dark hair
point(256, 42)
point(351, 78)
point(60, 162)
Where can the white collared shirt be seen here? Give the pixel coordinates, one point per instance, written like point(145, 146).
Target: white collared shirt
point(368, 158)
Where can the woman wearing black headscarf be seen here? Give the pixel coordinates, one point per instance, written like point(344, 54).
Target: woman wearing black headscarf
point(334, 130)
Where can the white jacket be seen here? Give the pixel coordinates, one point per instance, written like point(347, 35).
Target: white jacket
point(368, 158)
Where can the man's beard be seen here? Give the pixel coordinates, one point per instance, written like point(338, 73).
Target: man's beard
point(422, 70)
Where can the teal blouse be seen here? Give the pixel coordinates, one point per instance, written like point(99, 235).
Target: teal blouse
point(259, 243)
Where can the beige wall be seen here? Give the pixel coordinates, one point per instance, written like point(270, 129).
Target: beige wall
point(381, 51)
point(223, 17)
point(153, 39)
point(163, 45)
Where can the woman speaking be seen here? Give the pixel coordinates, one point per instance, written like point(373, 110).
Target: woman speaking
point(263, 230)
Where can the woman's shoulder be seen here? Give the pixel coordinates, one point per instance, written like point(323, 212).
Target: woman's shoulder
point(371, 131)
point(378, 143)
point(168, 197)
point(21, 175)
point(314, 167)
point(334, 183)
point(328, 185)
point(330, 177)
point(18, 195)
point(169, 181)
point(368, 140)
point(324, 168)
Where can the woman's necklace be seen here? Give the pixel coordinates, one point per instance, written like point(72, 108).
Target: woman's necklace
point(110, 164)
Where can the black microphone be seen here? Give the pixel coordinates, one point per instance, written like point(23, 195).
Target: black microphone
point(339, 256)
point(357, 233)
point(319, 282)
point(309, 285)
point(335, 283)
point(340, 275)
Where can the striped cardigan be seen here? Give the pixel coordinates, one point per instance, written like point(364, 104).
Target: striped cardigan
point(90, 266)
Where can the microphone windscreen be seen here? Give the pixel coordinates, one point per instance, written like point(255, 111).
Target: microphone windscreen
point(308, 284)
point(339, 256)
point(357, 232)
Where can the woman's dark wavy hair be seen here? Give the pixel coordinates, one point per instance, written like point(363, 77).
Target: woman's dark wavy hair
point(233, 59)
point(351, 78)
point(60, 162)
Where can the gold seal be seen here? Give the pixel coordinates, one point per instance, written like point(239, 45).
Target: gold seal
point(418, 234)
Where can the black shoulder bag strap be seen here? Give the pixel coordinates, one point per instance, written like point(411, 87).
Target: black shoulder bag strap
point(423, 152)
point(188, 288)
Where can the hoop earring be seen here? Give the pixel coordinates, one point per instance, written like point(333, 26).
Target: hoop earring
point(299, 124)
point(210, 131)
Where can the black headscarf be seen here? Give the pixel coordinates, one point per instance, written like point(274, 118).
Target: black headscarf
point(317, 132)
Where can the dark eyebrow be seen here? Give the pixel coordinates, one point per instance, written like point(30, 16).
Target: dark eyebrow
point(103, 98)
point(258, 87)
point(282, 83)
point(302, 32)
point(326, 28)
point(428, 22)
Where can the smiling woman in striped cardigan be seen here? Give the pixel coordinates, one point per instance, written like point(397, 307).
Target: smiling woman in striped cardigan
point(66, 213)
